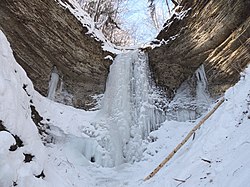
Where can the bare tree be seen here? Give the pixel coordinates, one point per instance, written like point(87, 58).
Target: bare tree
point(155, 16)
point(105, 14)
point(153, 13)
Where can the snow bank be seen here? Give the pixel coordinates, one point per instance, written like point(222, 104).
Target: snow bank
point(16, 91)
point(16, 97)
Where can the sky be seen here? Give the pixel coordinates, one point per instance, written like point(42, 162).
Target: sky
point(136, 19)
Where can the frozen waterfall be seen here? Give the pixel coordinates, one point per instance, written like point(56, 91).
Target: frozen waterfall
point(128, 112)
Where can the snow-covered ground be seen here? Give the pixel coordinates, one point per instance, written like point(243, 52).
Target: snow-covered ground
point(219, 154)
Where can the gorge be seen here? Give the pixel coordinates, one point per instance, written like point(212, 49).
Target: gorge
point(77, 110)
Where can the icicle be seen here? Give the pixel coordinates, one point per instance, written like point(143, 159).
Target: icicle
point(53, 83)
point(202, 95)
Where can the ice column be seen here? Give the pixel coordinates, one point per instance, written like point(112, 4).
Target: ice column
point(53, 83)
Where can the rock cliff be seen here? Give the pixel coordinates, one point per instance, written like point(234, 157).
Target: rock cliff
point(42, 34)
point(210, 32)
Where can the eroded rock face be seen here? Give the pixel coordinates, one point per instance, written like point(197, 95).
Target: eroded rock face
point(43, 34)
point(214, 33)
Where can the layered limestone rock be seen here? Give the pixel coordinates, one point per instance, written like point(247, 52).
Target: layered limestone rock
point(42, 35)
point(210, 32)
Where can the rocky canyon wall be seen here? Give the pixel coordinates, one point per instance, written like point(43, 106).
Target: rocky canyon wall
point(210, 32)
point(43, 34)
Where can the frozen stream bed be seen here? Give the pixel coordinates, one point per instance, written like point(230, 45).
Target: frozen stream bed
point(72, 151)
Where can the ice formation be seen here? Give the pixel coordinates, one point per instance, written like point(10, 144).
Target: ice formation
point(128, 113)
point(53, 83)
point(191, 99)
point(202, 95)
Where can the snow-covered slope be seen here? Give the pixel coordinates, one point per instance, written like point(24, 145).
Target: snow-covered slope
point(219, 154)
point(19, 137)
point(61, 141)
